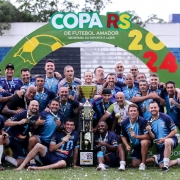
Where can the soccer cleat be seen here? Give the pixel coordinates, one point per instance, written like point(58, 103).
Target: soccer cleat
point(165, 168)
point(142, 167)
point(1, 167)
point(101, 167)
point(155, 159)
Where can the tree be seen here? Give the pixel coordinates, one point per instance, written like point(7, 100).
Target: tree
point(154, 19)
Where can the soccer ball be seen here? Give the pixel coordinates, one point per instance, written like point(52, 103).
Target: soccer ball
point(34, 48)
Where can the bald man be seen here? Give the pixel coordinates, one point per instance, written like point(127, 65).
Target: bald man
point(17, 134)
point(17, 104)
point(134, 71)
point(119, 107)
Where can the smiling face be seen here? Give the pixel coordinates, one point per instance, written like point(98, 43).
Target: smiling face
point(102, 127)
point(25, 76)
point(69, 126)
point(154, 82)
point(111, 79)
point(64, 93)
point(88, 77)
point(33, 107)
point(154, 109)
point(54, 106)
point(9, 72)
point(170, 88)
point(120, 98)
point(49, 67)
point(143, 86)
point(119, 69)
point(133, 113)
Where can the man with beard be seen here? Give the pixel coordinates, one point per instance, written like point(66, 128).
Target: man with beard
point(105, 146)
point(17, 133)
point(119, 107)
point(99, 76)
point(172, 103)
point(163, 130)
point(119, 69)
point(134, 71)
point(51, 77)
point(70, 81)
point(17, 104)
point(8, 82)
point(133, 129)
point(68, 107)
point(100, 106)
point(143, 99)
point(46, 125)
point(60, 149)
point(43, 95)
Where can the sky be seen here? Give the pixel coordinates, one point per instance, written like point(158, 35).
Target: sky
point(144, 8)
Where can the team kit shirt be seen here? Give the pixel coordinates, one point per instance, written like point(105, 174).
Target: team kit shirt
point(144, 107)
point(32, 82)
point(44, 98)
point(21, 132)
point(3, 94)
point(10, 85)
point(109, 138)
point(65, 150)
point(67, 110)
point(51, 84)
point(121, 79)
point(162, 127)
point(48, 128)
point(100, 108)
point(128, 92)
point(139, 128)
point(75, 83)
point(172, 110)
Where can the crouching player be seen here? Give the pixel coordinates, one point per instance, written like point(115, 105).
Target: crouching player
point(60, 148)
point(134, 129)
point(162, 130)
point(106, 147)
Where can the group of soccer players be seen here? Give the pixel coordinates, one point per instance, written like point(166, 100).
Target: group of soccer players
point(40, 118)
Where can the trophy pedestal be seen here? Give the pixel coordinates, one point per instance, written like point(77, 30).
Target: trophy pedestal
point(86, 158)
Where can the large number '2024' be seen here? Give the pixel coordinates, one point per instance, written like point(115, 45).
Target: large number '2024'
point(169, 62)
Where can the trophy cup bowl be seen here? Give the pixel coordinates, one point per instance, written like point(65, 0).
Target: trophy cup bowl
point(86, 144)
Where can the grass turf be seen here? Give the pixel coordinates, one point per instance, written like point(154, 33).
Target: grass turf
point(89, 173)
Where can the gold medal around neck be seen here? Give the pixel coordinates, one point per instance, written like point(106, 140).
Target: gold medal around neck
point(148, 123)
point(27, 120)
point(130, 129)
point(143, 109)
point(55, 119)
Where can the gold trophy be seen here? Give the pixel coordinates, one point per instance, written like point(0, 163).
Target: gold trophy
point(118, 117)
point(87, 150)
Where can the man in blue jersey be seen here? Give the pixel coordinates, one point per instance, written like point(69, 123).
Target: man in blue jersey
point(8, 82)
point(141, 76)
point(43, 95)
point(133, 129)
point(46, 125)
point(60, 149)
point(172, 103)
point(100, 107)
point(106, 143)
point(143, 98)
point(17, 133)
point(70, 81)
point(51, 77)
point(134, 71)
point(119, 69)
point(163, 130)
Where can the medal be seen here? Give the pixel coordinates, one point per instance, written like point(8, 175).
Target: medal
point(120, 120)
point(129, 129)
point(143, 109)
point(28, 118)
point(55, 119)
point(55, 116)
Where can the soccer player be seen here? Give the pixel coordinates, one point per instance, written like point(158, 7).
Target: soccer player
point(51, 78)
point(60, 149)
point(43, 95)
point(134, 71)
point(141, 76)
point(17, 104)
point(88, 77)
point(105, 146)
point(8, 82)
point(121, 107)
point(162, 129)
point(46, 125)
point(70, 81)
point(17, 133)
point(133, 128)
point(172, 103)
point(119, 69)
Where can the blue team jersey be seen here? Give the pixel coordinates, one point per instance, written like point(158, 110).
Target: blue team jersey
point(128, 92)
point(21, 132)
point(51, 84)
point(12, 85)
point(139, 128)
point(3, 94)
point(172, 111)
point(144, 107)
point(48, 128)
point(162, 126)
point(109, 138)
point(121, 79)
point(65, 150)
point(32, 82)
point(44, 98)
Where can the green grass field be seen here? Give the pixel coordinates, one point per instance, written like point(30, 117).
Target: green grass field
point(89, 173)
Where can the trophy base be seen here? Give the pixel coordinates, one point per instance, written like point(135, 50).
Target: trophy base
point(86, 158)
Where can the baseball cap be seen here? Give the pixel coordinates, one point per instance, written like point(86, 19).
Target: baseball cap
point(106, 91)
point(9, 66)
